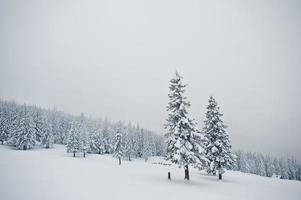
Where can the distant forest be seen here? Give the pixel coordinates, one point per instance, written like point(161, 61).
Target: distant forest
point(266, 165)
point(28, 126)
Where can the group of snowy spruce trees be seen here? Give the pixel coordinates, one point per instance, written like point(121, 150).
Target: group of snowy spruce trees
point(267, 165)
point(25, 127)
point(209, 149)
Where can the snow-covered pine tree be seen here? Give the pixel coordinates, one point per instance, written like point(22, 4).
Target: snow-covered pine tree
point(153, 146)
point(55, 125)
point(159, 146)
point(74, 143)
point(13, 121)
point(141, 134)
point(38, 122)
point(107, 132)
point(299, 173)
point(47, 139)
point(137, 140)
point(147, 147)
point(24, 136)
point(64, 127)
point(258, 161)
point(292, 168)
point(4, 124)
point(268, 166)
point(96, 141)
point(182, 147)
point(239, 160)
point(118, 149)
point(83, 135)
point(85, 144)
point(283, 168)
point(276, 166)
point(217, 143)
point(128, 142)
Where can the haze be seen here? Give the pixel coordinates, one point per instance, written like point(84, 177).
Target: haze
point(114, 59)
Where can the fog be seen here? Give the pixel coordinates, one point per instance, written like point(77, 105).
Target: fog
point(114, 59)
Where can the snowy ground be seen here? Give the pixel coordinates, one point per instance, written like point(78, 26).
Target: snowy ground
point(55, 175)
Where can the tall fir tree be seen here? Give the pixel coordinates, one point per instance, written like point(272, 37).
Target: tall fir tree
point(135, 141)
point(106, 132)
point(47, 139)
point(4, 123)
point(64, 126)
point(83, 135)
point(13, 121)
point(74, 143)
point(217, 143)
point(147, 148)
point(181, 137)
point(24, 136)
point(84, 144)
point(128, 142)
point(38, 123)
point(118, 148)
point(96, 141)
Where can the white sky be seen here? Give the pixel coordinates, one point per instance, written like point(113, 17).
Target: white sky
point(115, 58)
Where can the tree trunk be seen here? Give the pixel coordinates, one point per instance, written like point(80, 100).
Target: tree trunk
point(84, 154)
point(186, 172)
point(73, 153)
point(168, 176)
point(219, 176)
point(119, 161)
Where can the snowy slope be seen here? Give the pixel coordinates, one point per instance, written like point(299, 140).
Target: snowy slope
point(55, 175)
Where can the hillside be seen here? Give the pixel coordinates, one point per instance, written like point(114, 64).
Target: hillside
point(55, 175)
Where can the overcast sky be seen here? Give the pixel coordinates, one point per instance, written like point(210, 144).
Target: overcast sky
point(115, 58)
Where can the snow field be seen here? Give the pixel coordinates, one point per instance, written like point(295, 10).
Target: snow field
point(52, 174)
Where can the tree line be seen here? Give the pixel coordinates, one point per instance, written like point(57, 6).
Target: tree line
point(267, 165)
point(28, 126)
